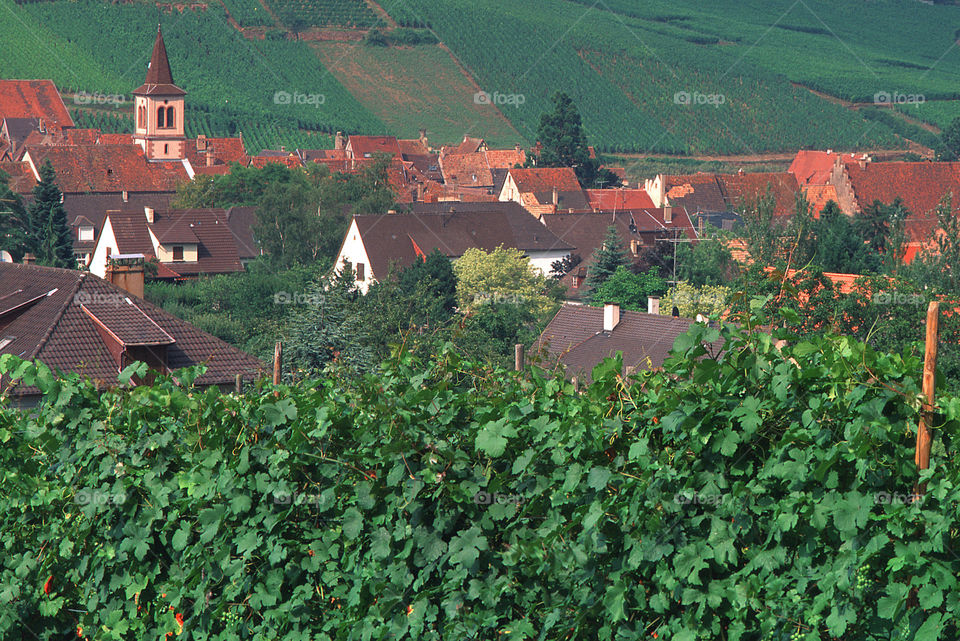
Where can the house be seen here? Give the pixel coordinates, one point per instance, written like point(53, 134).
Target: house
point(617, 199)
point(185, 242)
point(814, 167)
point(376, 243)
point(639, 230)
point(579, 337)
point(76, 322)
point(544, 190)
point(87, 212)
point(708, 196)
point(83, 169)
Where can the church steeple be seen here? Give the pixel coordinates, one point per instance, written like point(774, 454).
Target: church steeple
point(158, 103)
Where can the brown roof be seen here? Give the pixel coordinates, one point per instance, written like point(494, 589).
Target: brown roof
point(94, 208)
point(505, 158)
point(546, 179)
point(21, 179)
point(575, 338)
point(412, 147)
point(219, 151)
point(85, 322)
point(33, 99)
point(159, 79)
point(241, 221)
point(466, 170)
point(108, 168)
point(290, 160)
point(616, 199)
point(367, 146)
point(217, 243)
point(819, 195)
point(695, 192)
point(782, 186)
point(468, 146)
point(451, 228)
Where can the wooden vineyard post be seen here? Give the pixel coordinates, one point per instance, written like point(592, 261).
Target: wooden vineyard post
point(277, 355)
point(518, 357)
point(922, 456)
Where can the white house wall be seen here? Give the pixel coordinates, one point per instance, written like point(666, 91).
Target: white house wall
point(544, 260)
point(353, 251)
point(98, 263)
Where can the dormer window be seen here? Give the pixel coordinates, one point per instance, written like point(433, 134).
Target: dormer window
point(86, 232)
point(178, 252)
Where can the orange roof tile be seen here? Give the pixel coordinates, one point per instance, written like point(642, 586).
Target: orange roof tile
point(616, 199)
point(33, 99)
point(108, 168)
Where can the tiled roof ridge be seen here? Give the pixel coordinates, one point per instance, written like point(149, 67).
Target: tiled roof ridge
point(59, 315)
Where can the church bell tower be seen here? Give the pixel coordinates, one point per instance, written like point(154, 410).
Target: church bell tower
point(158, 109)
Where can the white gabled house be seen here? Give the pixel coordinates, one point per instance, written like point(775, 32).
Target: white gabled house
point(375, 243)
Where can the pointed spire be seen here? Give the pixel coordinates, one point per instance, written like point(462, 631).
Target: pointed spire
point(159, 79)
point(158, 73)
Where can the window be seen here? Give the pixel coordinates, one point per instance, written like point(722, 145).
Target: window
point(161, 117)
point(141, 117)
point(166, 148)
point(359, 271)
point(6, 340)
point(178, 252)
point(86, 232)
point(109, 252)
point(170, 119)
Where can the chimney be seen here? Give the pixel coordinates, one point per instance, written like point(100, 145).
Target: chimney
point(149, 212)
point(420, 192)
point(653, 305)
point(29, 259)
point(127, 273)
point(201, 142)
point(338, 141)
point(209, 160)
point(668, 215)
point(611, 316)
point(423, 137)
point(556, 197)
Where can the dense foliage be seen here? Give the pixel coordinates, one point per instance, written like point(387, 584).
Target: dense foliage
point(762, 493)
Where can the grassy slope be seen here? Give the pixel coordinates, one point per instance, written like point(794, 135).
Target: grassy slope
point(413, 87)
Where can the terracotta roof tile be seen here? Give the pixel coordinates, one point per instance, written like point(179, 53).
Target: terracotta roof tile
point(33, 99)
point(505, 158)
point(814, 167)
point(616, 199)
point(367, 146)
point(108, 168)
point(819, 195)
point(21, 179)
point(546, 179)
point(739, 188)
point(467, 170)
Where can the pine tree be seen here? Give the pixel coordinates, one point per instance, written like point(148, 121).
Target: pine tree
point(49, 236)
point(606, 258)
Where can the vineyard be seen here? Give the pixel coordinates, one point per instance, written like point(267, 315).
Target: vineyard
point(353, 14)
point(249, 13)
point(760, 494)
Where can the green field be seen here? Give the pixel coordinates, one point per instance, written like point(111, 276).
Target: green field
point(666, 77)
point(413, 87)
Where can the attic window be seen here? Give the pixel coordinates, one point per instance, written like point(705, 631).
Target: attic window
point(178, 252)
point(86, 232)
point(6, 340)
point(359, 270)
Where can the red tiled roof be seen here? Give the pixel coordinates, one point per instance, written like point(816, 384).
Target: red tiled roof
point(33, 99)
point(291, 160)
point(814, 167)
point(468, 146)
point(505, 158)
point(108, 168)
point(21, 179)
point(468, 170)
point(739, 188)
point(412, 147)
point(115, 139)
point(544, 179)
point(616, 199)
point(222, 151)
point(367, 146)
point(920, 185)
point(819, 195)
point(81, 136)
point(56, 330)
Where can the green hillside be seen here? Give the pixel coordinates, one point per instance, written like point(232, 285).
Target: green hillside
point(677, 77)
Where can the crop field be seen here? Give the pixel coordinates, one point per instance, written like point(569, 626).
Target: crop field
point(413, 87)
point(937, 112)
point(249, 13)
point(624, 72)
point(324, 13)
point(241, 85)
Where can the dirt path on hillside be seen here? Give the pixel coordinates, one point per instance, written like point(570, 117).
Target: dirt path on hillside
point(381, 12)
point(856, 106)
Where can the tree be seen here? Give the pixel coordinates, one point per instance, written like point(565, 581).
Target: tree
point(501, 276)
point(707, 262)
point(435, 272)
point(629, 290)
point(563, 144)
point(606, 259)
point(49, 236)
point(709, 300)
point(562, 267)
point(13, 222)
point(950, 142)
point(841, 246)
